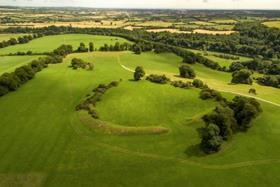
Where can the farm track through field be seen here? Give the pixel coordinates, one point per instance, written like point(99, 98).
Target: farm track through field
point(225, 91)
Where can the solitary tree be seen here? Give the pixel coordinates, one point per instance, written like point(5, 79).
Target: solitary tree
point(91, 47)
point(242, 76)
point(139, 73)
point(186, 72)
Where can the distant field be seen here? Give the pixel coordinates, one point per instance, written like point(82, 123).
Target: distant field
point(154, 24)
point(221, 61)
point(49, 43)
point(168, 30)
point(203, 31)
point(275, 24)
point(10, 63)
point(224, 21)
point(204, 23)
point(9, 36)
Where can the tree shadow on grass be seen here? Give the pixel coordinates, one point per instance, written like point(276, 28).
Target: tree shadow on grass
point(195, 149)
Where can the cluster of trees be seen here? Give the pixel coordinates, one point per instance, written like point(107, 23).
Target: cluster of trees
point(270, 80)
point(138, 73)
point(225, 120)
point(160, 79)
point(90, 103)
point(77, 63)
point(186, 72)
point(242, 76)
point(12, 81)
point(207, 93)
point(63, 50)
point(117, 47)
point(19, 40)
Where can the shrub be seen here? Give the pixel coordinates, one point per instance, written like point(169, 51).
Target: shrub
point(252, 91)
point(160, 79)
point(211, 141)
point(208, 93)
point(181, 84)
point(197, 83)
point(186, 72)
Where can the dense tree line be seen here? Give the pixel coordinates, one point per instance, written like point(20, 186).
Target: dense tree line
point(116, 47)
point(270, 80)
point(90, 103)
point(227, 118)
point(19, 40)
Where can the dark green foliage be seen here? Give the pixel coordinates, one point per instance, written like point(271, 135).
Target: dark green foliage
point(211, 141)
point(236, 66)
point(82, 48)
point(245, 110)
point(90, 103)
point(207, 93)
point(181, 84)
point(139, 73)
point(160, 79)
point(242, 76)
point(63, 50)
point(91, 47)
point(189, 59)
point(270, 80)
point(136, 49)
point(186, 72)
point(198, 83)
point(252, 91)
point(77, 63)
point(117, 47)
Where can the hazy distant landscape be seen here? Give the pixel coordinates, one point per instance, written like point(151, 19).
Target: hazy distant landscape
point(138, 96)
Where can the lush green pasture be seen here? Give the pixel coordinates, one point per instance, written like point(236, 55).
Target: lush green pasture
point(10, 63)
point(44, 143)
point(49, 43)
point(9, 36)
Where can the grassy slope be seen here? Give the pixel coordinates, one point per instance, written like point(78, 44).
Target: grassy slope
point(10, 63)
point(9, 36)
point(46, 143)
point(49, 43)
point(275, 24)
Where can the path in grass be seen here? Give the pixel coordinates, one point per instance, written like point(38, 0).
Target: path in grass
point(232, 92)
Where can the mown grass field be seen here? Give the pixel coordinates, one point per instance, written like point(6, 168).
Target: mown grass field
point(49, 43)
point(45, 143)
point(10, 63)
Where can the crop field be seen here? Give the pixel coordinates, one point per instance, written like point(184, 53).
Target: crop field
point(49, 43)
point(51, 144)
point(275, 24)
point(218, 32)
point(10, 63)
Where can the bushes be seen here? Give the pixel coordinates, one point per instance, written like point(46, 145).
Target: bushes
point(242, 76)
point(208, 93)
point(160, 79)
point(63, 50)
point(77, 63)
point(198, 83)
point(117, 47)
point(186, 72)
point(181, 84)
point(90, 103)
point(139, 73)
point(227, 118)
point(82, 48)
point(270, 80)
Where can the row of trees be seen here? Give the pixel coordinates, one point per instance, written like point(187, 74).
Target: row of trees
point(12, 81)
point(116, 47)
point(90, 103)
point(228, 118)
point(19, 40)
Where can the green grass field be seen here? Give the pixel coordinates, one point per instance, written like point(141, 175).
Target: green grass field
point(9, 36)
point(49, 43)
point(10, 63)
point(45, 142)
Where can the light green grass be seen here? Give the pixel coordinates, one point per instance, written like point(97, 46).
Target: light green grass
point(10, 63)
point(49, 43)
point(43, 142)
point(9, 36)
point(275, 24)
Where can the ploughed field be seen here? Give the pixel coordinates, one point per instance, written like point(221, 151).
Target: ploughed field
point(45, 142)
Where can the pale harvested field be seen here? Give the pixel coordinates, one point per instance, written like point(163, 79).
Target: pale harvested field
point(203, 31)
point(168, 30)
